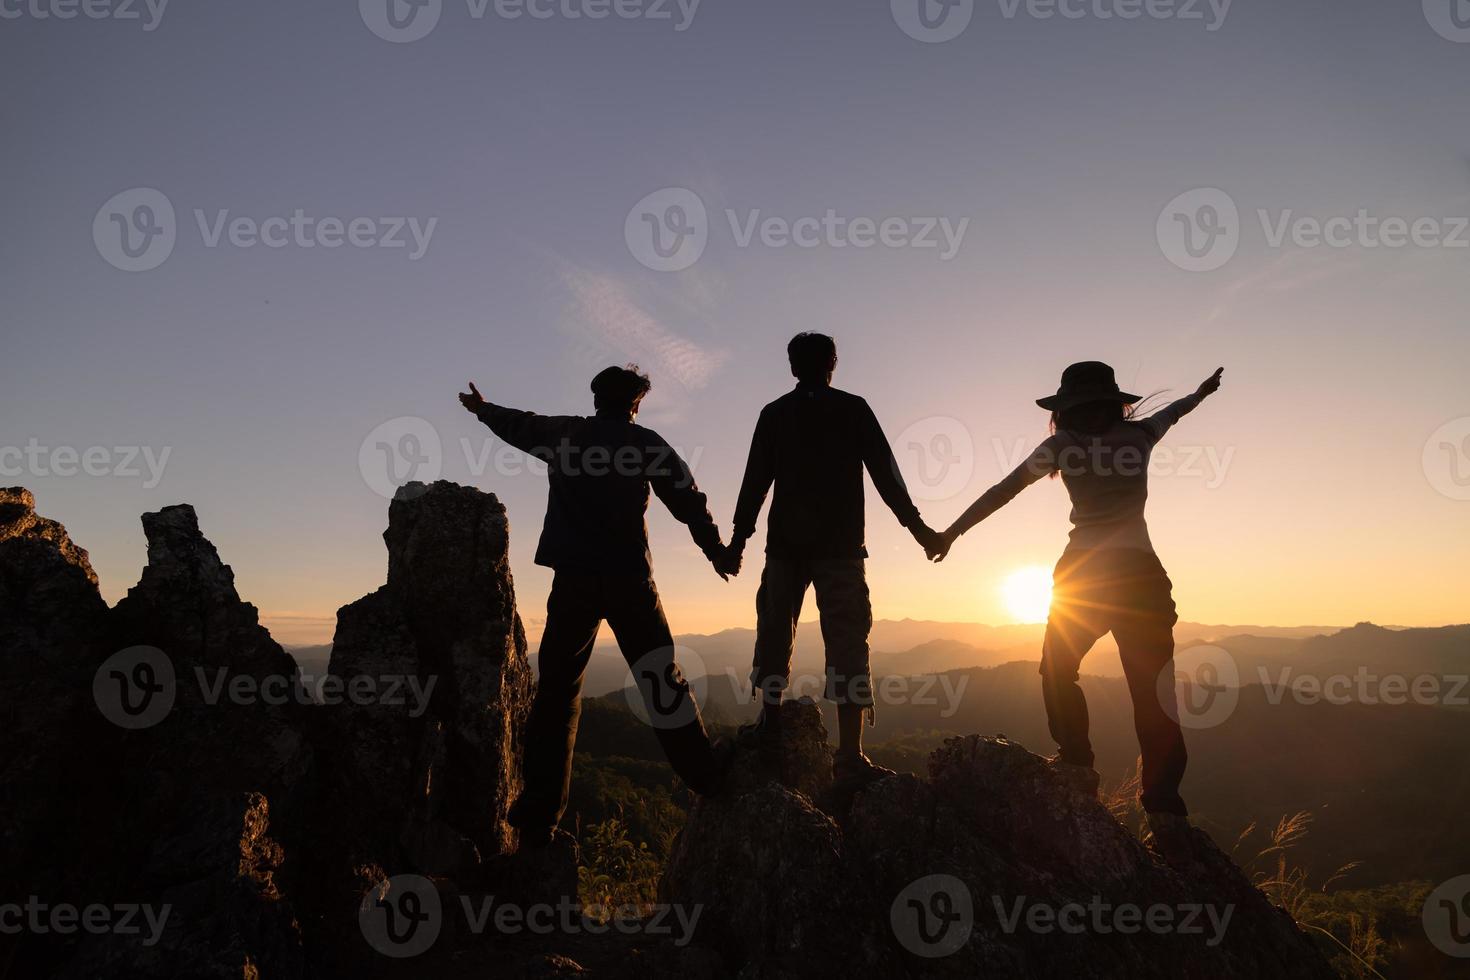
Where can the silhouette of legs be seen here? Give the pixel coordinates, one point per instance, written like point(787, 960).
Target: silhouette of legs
point(578, 603)
point(777, 608)
point(637, 618)
point(1147, 649)
point(573, 616)
point(847, 619)
point(1069, 636)
point(1128, 592)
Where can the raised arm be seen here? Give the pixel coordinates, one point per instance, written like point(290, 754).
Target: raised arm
point(531, 433)
point(1042, 462)
point(1167, 417)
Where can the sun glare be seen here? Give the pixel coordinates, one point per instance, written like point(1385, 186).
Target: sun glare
point(1027, 593)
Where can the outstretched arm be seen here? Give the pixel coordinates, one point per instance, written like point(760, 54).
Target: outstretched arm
point(760, 471)
point(526, 431)
point(1165, 418)
point(1041, 462)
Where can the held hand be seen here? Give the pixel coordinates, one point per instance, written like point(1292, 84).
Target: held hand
point(1210, 385)
point(928, 538)
point(727, 560)
point(946, 540)
point(472, 400)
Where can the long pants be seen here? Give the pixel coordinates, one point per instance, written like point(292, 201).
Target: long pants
point(1127, 592)
point(846, 615)
point(578, 604)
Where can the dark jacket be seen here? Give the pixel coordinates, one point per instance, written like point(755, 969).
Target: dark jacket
point(600, 470)
point(814, 443)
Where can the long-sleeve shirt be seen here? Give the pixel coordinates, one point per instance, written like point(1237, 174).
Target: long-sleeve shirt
point(601, 469)
point(1106, 476)
point(813, 444)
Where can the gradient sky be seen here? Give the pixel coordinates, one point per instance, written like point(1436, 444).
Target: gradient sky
point(262, 371)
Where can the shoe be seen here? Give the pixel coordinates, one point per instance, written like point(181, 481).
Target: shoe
point(1084, 779)
point(1171, 834)
point(854, 770)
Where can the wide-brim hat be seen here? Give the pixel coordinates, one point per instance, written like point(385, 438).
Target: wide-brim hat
point(1083, 382)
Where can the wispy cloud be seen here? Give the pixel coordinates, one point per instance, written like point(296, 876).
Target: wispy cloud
point(603, 309)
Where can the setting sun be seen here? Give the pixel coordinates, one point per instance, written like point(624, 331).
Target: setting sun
point(1027, 593)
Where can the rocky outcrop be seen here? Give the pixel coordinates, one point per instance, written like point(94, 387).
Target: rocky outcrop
point(420, 767)
point(161, 756)
point(992, 866)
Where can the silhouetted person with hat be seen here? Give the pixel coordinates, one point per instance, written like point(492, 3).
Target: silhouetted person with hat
point(601, 469)
point(1108, 578)
point(813, 444)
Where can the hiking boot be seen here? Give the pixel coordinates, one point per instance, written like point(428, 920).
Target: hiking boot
point(854, 771)
point(1172, 835)
point(765, 732)
point(1084, 779)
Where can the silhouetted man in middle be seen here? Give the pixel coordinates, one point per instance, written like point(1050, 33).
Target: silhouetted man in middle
point(813, 443)
point(601, 469)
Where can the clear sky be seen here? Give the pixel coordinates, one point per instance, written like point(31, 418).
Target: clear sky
point(1320, 486)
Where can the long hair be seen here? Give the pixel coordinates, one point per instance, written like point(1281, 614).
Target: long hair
point(1095, 418)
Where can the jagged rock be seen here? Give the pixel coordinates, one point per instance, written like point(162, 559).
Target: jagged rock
point(926, 877)
point(421, 782)
point(52, 621)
